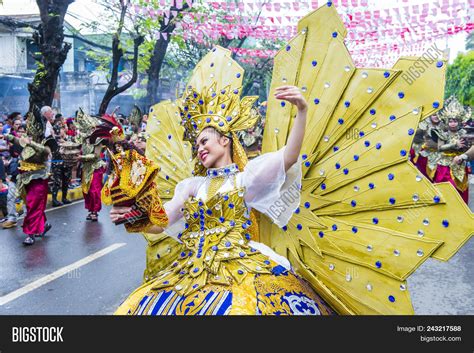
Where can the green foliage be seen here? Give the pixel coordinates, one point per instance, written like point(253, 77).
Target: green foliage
point(102, 59)
point(460, 78)
point(40, 74)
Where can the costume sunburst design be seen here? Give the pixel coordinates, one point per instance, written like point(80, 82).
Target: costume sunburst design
point(367, 217)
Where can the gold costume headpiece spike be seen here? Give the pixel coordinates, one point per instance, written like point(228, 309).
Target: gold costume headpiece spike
point(453, 109)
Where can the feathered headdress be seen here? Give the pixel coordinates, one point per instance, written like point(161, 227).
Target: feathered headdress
point(35, 125)
point(109, 129)
point(85, 125)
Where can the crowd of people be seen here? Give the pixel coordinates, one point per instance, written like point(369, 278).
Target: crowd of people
point(52, 161)
point(59, 160)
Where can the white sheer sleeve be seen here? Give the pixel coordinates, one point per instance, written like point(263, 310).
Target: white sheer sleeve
point(271, 190)
point(174, 208)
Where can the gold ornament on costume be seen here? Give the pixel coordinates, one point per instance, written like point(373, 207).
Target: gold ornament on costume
point(117, 134)
point(85, 125)
point(453, 109)
point(35, 125)
point(212, 99)
point(28, 167)
point(132, 184)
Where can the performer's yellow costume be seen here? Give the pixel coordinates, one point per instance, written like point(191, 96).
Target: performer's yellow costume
point(353, 217)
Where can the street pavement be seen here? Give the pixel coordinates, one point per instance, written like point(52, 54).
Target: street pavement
point(83, 268)
point(95, 288)
point(446, 288)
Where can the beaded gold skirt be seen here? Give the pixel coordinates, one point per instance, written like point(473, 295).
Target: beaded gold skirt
point(280, 292)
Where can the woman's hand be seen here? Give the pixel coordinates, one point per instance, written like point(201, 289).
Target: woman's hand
point(461, 143)
point(25, 141)
point(429, 143)
point(458, 160)
point(117, 213)
point(293, 95)
point(294, 142)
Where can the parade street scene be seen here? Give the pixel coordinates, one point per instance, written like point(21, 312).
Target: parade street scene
point(236, 157)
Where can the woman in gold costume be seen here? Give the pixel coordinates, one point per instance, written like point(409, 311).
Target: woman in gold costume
point(222, 271)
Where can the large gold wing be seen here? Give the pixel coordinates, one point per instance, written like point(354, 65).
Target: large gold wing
point(367, 218)
point(166, 147)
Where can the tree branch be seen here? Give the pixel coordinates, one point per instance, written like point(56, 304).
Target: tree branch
point(136, 43)
point(14, 24)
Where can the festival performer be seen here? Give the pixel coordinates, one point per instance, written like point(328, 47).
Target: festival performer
point(61, 166)
point(314, 225)
point(93, 167)
point(32, 182)
point(92, 175)
point(452, 143)
point(227, 191)
point(425, 153)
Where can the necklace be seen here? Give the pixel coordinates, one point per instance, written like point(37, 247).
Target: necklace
point(223, 171)
point(218, 176)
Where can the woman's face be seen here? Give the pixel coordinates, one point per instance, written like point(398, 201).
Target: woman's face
point(211, 147)
point(453, 124)
point(118, 147)
point(16, 125)
point(434, 119)
point(140, 143)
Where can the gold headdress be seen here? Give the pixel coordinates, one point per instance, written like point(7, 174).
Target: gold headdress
point(212, 99)
point(453, 109)
point(85, 125)
point(35, 125)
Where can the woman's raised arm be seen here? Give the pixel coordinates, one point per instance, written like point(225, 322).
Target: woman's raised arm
point(293, 95)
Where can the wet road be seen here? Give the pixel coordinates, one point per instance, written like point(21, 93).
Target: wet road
point(83, 268)
point(97, 287)
point(446, 287)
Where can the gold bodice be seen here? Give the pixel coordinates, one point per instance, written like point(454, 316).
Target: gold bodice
point(216, 245)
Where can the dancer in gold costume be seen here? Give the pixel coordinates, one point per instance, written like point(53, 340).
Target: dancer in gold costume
point(452, 143)
point(339, 219)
